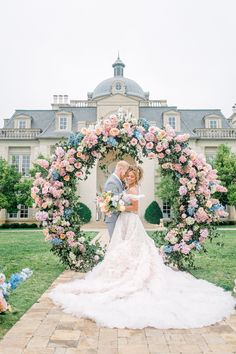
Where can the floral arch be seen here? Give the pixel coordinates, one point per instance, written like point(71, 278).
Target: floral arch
point(54, 188)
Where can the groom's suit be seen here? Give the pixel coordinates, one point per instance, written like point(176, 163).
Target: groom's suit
point(114, 185)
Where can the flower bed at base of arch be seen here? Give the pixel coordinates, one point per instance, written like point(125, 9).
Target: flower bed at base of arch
point(54, 192)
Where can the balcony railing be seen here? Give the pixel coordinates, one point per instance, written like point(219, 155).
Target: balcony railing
point(14, 133)
point(219, 133)
point(153, 103)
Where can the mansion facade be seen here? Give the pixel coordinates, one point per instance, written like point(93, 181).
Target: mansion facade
point(29, 133)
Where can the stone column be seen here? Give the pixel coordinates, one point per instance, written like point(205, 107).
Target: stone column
point(87, 191)
point(147, 185)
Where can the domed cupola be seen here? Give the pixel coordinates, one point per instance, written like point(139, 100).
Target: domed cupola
point(118, 67)
point(118, 84)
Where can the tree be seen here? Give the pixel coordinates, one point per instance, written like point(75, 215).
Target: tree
point(9, 178)
point(153, 213)
point(225, 164)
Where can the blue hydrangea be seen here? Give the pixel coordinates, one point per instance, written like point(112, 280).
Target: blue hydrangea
point(168, 249)
point(67, 213)
point(190, 211)
point(198, 245)
point(144, 123)
point(15, 280)
point(55, 175)
point(112, 141)
point(217, 206)
point(74, 139)
point(56, 241)
point(137, 135)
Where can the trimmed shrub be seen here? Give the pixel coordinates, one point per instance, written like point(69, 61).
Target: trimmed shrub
point(153, 213)
point(18, 226)
point(84, 213)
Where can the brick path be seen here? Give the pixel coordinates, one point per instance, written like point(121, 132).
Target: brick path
point(45, 329)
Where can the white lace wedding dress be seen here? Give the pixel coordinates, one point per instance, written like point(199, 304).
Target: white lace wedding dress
point(133, 288)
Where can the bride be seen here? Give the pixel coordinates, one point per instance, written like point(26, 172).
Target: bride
point(133, 288)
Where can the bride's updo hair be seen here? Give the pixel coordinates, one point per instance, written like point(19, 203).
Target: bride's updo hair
point(137, 170)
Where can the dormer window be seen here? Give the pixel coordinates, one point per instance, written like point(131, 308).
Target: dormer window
point(22, 121)
point(63, 123)
point(172, 118)
point(213, 124)
point(213, 121)
point(63, 120)
point(172, 122)
point(22, 124)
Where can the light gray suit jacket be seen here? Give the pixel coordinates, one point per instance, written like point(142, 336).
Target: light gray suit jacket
point(116, 187)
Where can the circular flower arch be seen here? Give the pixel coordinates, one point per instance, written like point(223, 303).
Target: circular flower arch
point(54, 189)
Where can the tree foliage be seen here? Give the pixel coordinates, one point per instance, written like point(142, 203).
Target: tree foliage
point(225, 164)
point(9, 178)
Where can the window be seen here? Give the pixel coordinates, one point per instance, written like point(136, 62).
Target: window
point(63, 123)
point(210, 153)
point(213, 124)
point(172, 122)
point(21, 162)
point(23, 213)
point(22, 124)
point(166, 209)
point(12, 215)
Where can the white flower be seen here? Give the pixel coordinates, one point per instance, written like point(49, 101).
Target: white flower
point(121, 202)
point(72, 256)
point(81, 239)
point(189, 220)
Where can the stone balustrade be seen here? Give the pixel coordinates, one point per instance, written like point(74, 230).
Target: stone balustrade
point(153, 103)
point(83, 103)
point(218, 133)
point(14, 133)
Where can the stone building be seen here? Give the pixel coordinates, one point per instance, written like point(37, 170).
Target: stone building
point(30, 132)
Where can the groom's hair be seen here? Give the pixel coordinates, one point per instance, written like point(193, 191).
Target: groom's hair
point(122, 164)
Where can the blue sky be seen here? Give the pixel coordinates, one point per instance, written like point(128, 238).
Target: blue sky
point(180, 50)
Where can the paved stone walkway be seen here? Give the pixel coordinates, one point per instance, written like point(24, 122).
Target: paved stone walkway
point(45, 329)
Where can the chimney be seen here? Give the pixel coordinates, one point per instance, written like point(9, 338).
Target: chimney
point(55, 97)
point(234, 108)
point(65, 99)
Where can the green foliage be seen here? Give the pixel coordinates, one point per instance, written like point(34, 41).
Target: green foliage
point(23, 192)
point(84, 213)
point(9, 178)
point(225, 164)
point(167, 190)
point(153, 213)
point(17, 225)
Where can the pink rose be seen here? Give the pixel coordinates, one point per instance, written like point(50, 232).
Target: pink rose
point(114, 132)
point(149, 145)
point(133, 141)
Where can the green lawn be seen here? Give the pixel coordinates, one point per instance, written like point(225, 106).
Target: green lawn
point(26, 249)
point(22, 249)
point(218, 265)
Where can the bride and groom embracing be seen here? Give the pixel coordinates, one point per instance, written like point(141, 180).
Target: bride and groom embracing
point(132, 287)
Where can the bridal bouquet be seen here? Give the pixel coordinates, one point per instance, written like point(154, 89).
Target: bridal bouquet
point(110, 202)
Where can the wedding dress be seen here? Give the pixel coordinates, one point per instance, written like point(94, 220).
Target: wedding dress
point(133, 288)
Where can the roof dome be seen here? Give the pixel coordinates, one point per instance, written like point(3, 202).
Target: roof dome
point(118, 84)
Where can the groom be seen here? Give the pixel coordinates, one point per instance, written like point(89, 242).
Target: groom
point(116, 186)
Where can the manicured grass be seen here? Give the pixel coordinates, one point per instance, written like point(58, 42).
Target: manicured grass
point(218, 265)
point(26, 249)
